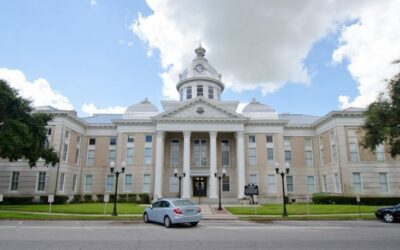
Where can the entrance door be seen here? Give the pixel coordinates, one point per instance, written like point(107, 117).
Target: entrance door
point(199, 186)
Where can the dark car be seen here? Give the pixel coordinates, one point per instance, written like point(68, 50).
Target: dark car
point(388, 214)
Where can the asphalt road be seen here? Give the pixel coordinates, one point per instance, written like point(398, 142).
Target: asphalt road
point(219, 235)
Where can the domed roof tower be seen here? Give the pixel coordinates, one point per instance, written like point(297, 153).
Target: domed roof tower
point(142, 110)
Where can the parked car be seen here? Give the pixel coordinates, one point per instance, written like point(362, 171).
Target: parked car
point(173, 211)
point(388, 214)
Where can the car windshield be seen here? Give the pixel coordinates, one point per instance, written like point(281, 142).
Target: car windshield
point(181, 203)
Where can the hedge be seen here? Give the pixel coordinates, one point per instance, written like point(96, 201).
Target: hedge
point(351, 200)
point(8, 200)
point(58, 199)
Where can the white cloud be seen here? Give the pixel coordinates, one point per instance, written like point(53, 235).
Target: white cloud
point(39, 91)
point(90, 109)
point(256, 44)
point(93, 2)
point(371, 45)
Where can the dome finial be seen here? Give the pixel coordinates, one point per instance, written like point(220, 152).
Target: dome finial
point(200, 51)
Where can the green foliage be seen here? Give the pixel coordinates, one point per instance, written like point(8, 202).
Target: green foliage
point(144, 198)
point(22, 133)
point(76, 199)
point(9, 200)
point(87, 198)
point(382, 120)
point(58, 199)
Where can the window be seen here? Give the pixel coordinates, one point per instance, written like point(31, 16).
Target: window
point(174, 153)
point(270, 150)
point(173, 184)
point(226, 184)
point(199, 90)
point(311, 184)
point(357, 186)
point(271, 183)
point(308, 152)
point(288, 150)
point(189, 92)
point(41, 181)
point(252, 150)
point(253, 179)
point(92, 141)
point(48, 138)
point(200, 153)
point(111, 155)
point(324, 184)
point(289, 183)
point(148, 155)
point(62, 181)
point(14, 181)
point(337, 183)
point(380, 153)
point(88, 183)
point(353, 144)
point(78, 149)
point(181, 94)
point(90, 159)
point(252, 139)
point(129, 156)
point(149, 138)
point(128, 183)
point(66, 144)
point(110, 183)
point(74, 182)
point(383, 182)
point(225, 151)
point(321, 151)
point(131, 139)
point(146, 183)
point(113, 141)
point(210, 92)
point(333, 146)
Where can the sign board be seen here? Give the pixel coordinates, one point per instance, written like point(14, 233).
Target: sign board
point(358, 199)
point(50, 199)
point(1, 198)
point(251, 189)
point(106, 198)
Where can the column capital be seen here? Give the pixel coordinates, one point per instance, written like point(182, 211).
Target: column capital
point(160, 133)
point(213, 134)
point(239, 134)
point(186, 134)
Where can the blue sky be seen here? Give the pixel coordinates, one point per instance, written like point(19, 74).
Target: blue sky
point(88, 53)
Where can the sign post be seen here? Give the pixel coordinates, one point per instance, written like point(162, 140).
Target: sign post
point(308, 201)
point(106, 199)
point(251, 190)
point(50, 200)
point(359, 209)
point(1, 197)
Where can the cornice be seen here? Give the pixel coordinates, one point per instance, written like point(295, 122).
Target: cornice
point(335, 114)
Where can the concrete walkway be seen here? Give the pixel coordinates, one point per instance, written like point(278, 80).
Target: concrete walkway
point(211, 212)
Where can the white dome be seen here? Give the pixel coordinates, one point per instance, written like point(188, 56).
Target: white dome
point(256, 110)
point(144, 109)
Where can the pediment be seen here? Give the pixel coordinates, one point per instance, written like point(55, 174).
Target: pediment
point(200, 108)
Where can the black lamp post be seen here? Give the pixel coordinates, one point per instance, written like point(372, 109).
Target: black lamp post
point(220, 176)
point(116, 171)
point(179, 178)
point(282, 174)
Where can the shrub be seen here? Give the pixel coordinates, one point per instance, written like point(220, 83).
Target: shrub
point(144, 198)
point(17, 200)
point(58, 199)
point(100, 197)
point(76, 199)
point(87, 198)
point(350, 200)
point(132, 198)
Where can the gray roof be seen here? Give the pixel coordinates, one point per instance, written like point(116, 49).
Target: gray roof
point(102, 118)
point(299, 118)
point(354, 109)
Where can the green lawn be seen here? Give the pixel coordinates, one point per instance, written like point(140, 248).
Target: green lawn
point(300, 209)
point(10, 215)
point(81, 208)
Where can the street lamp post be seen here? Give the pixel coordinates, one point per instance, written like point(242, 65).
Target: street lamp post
point(116, 171)
point(220, 176)
point(282, 174)
point(179, 178)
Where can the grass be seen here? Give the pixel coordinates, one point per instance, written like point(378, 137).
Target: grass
point(81, 208)
point(301, 209)
point(329, 217)
point(10, 215)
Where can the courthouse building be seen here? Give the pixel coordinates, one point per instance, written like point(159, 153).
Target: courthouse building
point(200, 135)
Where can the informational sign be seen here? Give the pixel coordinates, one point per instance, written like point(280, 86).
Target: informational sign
point(50, 199)
point(251, 189)
point(1, 198)
point(358, 199)
point(106, 198)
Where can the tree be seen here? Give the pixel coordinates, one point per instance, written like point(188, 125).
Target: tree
point(382, 119)
point(23, 133)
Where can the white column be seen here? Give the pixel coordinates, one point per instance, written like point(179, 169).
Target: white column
point(240, 164)
point(158, 176)
point(213, 164)
point(186, 165)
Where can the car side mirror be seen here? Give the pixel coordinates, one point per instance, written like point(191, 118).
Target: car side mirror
point(151, 206)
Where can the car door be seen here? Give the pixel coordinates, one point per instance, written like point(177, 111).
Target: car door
point(164, 207)
point(152, 212)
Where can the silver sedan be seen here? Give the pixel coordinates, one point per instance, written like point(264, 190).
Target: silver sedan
point(173, 211)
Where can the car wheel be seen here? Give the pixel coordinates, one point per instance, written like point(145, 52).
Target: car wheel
point(167, 222)
point(193, 224)
point(146, 218)
point(388, 217)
